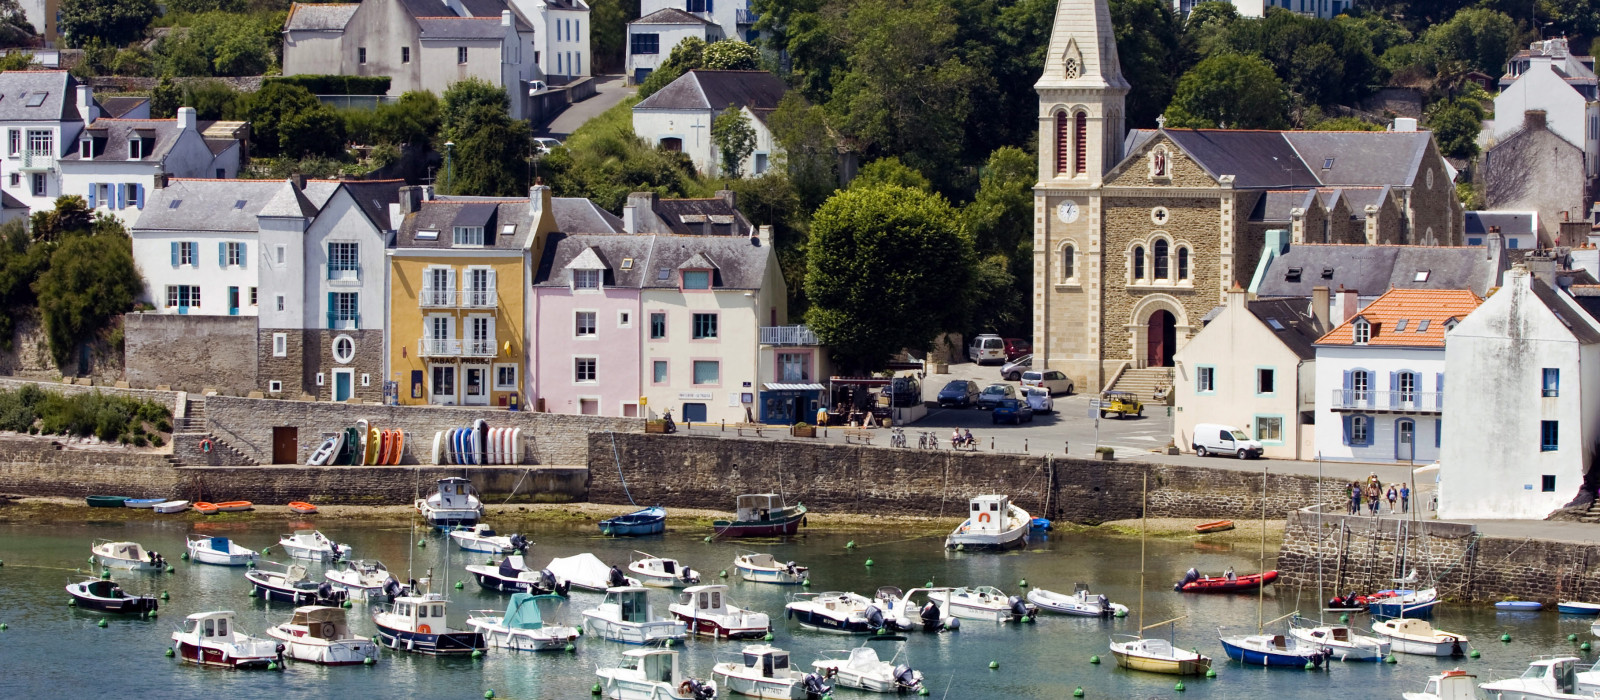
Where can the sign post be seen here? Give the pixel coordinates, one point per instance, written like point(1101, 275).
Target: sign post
point(1094, 412)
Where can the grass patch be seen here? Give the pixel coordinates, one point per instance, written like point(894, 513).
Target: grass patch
point(111, 418)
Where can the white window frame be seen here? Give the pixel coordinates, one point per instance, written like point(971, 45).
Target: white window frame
point(334, 347)
point(578, 316)
point(1361, 332)
point(513, 385)
point(467, 236)
point(594, 370)
point(274, 387)
point(280, 343)
point(588, 280)
point(624, 318)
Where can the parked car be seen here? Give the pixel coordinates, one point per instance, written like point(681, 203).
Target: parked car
point(546, 144)
point(959, 392)
point(1122, 403)
point(1012, 371)
point(905, 391)
point(987, 348)
point(1013, 411)
point(995, 393)
point(1017, 347)
point(1039, 400)
point(1213, 438)
point(1052, 380)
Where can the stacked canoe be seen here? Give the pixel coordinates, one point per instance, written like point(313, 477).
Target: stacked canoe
point(478, 444)
point(363, 444)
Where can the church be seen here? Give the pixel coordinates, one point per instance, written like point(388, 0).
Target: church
point(1138, 234)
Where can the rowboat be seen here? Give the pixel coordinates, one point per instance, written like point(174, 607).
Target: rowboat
point(327, 451)
point(205, 508)
point(1193, 582)
point(105, 501)
point(234, 506)
point(1575, 608)
point(143, 502)
point(1214, 526)
point(302, 507)
point(647, 521)
point(220, 551)
point(171, 507)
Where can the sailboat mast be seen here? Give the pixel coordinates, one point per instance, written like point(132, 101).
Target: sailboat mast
point(1261, 590)
point(1144, 519)
point(1322, 503)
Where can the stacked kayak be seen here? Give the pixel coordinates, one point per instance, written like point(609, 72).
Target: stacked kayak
point(478, 444)
point(363, 444)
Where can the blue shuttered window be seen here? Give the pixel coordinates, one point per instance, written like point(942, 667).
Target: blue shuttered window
point(94, 194)
point(139, 196)
point(174, 253)
point(244, 254)
point(222, 255)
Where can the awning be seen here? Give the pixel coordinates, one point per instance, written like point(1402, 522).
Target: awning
point(792, 387)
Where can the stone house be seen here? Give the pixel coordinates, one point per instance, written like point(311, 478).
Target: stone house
point(679, 116)
point(652, 37)
point(1534, 168)
point(116, 161)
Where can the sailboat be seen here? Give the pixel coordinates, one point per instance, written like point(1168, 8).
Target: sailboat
point(1262, 648)
point(1148, 654)
point(1345, 643)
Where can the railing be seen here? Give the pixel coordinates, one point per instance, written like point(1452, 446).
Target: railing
point(477, 299)
point(788, 335)
point(438, 347)
point(437, 298)
point(337, 322)
point(38, 161)
point(343, 273)
point(479, 348)
point(1353, 400)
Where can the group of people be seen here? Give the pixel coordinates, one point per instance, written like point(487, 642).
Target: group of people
point(1374, 493)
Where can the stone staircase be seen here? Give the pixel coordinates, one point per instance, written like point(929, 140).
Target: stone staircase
point(190, 430)
point(194, 418)
point(1145, 382)
point(1593, 516)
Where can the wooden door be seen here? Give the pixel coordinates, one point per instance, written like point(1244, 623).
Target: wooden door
point(285, 445)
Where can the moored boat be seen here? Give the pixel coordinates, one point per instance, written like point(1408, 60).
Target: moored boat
point(763, 671)
point(1214, 526)
point(482, 538)
point(171, 507)
point(320, 635)
point(626, 616)
point(860, 668)
point(454, 503)
point(661, 572)
point(312, 545)
point(416, 623)
point(1408, 636)
point(761, 567)
point(1450, 685)
point(205, 508)
point(1156, 655)
point(984, 603)
point(1193, 582)
point(831, 611)
point(290, 584)
point(1518, 606)
point(106, 501)
point(106, 595)
point(586, 572)
point(1403, 603)
point(220, 551)
point(652, 674)
point(512, 575)
point(301, 508)
point(1342, 642)
point(899, 611)
point(646, 521)
point(761, 515)
point(707, 612)
point(143, 502)
point(127, 555)
point(234, 506)
point(522, 627)
point(1555, 678)
point(366, 580)
point(213, 639)
point(1081, 602)
point(1277, 650)
point(993, 522)
point(1571, 607)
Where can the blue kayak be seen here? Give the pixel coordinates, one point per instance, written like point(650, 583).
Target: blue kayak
point(1518, 606)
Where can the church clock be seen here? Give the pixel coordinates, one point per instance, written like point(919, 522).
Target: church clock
point(1067, 211)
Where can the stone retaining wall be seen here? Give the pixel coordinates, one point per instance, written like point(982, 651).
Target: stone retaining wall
point(192, 353)
point(35, 467)
point(377, 485)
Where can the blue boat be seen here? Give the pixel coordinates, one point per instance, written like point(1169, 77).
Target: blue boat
point(417, 624)
point(1518, 606)
point(1272, 650)
point(143, 502)
point(648, 521)
point(1575, 608)
point(1405, 603)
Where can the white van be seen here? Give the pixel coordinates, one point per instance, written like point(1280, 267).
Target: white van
point(987, 348)
point(1212, 438)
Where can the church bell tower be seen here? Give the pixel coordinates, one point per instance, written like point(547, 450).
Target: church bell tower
point(1081, 97)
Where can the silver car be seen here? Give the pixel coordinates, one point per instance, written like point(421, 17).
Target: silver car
point(995, 393)
point(1012, 371)
point(1052, 380)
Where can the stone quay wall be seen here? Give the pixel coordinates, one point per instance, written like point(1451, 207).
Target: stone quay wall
point(31, 466)
point(377, 485)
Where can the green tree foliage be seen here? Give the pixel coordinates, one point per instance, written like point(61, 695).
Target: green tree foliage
point(1151, 55)
point(211, 99)
point(1324, 61)
point(1455, 124)
point(604, 161)
point(21, 262)
point(14, 27)
point(890, 171)
point(463, 97)
point(116, 22)
point(771, 199)
point(413, 119)
point(16, 60)
point(810, 154)
point(1205, 30)
point(888, 267)
point(730, 54)
point(106, 416)
point(70, 217)
point(688, 55)
point(288, 120)
point(492, 156)
point(1000, 218)
point(734, 138)
point(1345, 124)
point(608, 32)
point(1231, 91)
point(90, 280)
point(1474, 39)
point(221, 44)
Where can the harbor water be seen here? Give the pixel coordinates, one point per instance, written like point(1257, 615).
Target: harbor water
point(52, 650)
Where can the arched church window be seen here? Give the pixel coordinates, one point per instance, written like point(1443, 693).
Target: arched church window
point(1081, 137)
point(1063, 144)
point(1068, 262)
point(1138, 262)
point(1183, 263)
point(1160, 249)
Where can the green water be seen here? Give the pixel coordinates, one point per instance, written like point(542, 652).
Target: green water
point(52, 650)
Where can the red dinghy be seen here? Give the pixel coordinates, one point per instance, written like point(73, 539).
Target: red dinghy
point(1193, 582)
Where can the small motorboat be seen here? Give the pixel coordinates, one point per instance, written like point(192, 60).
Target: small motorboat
point(312, 545)
point(416, 623)
point(482, 538)
point(1403, 603)
point(325, 452)
point(652, 674)
point(586, 572)
point(453, 504)
point(234, 506)
point(364, 580)
point(707, 612)
point(171, 507)
point(1193, 582)
point(290, 584)
point(1271, 650)
point(1569, 607)
point(1518, 606)
point(512, 575)
point(213, 639)
point(984, 603)
point(1408, 636)
point(860, 668)
point(647, 521)
point(761, 515)
point(1450, 685)
point(127, 555)
point(302, 508)
point(832, 611)
point(761, 567)
point(1081, 602)
point(893, 610)
point(220, 551)
point(994, 522)
point(143, 502)
point(205, 508)
point(522, 626)
point(320, 635)
point(107, 596)
point(106, 501)
point(763, 671)
point(1155, 655)
point(1557, 678)
point(1344, 643)
point(626, 616)
point(1214, 526)
point(661, 572)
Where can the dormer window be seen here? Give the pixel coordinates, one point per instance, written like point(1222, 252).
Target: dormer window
point(696, 279)
point(135, 149)
point(586, 279)
point(86, 148)
point(467, 236)
point(1450, 323)
point(1363, 331)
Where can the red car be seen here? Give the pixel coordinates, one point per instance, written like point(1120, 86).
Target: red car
point(1017, 347)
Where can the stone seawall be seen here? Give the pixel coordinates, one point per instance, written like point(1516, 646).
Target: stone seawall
point(35, 467)
point(195, 353)
point(377, 485)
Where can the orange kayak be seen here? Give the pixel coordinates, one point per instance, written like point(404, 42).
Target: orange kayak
point(302, 507)
point(1217, 526)
point(205, 508)
point(234, 505)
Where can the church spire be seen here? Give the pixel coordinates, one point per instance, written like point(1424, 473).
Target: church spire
point(1081, 96)
point(1083, 48)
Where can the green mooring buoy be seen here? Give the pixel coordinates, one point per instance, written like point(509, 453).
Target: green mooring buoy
point(166, 596)
point(184, 556)
point(477, 653)
point(422, 543)
point(1094, 659)
point(1211, 673)
point(1077, 692)
point(1473, 654)
point(1023, 583)
point(1584, 646)
point(102, 622)
point(994, 664)
point(1505, 637)
point(1390, 659)
point(1572, 637)
point(595, 690)
point(869, 562)
point(460, 585)
point(489, 693)
point(1178, 687)
point(169, 652)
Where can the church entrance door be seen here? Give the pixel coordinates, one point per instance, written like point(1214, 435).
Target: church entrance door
point(1162, 336)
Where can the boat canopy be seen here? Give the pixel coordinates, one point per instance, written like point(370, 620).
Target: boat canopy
point(585, 568)
point(769, 659)
point(105, 589)
point(863, 658)
point(317, 614)
point(511, 566)
point(220, 544)
point(523, 612)
point(633, 603)
point(707, 598)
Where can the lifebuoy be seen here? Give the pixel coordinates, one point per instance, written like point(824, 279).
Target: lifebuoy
point(685, 688)
point(424, 629)
point(205, 444)
point(983, 517)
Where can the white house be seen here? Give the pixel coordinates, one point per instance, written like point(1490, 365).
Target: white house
point(652, 37)
point(42, 113)
point(1519, 443)
point(1324, 9)
point(732, 17)
point(197, 245)
point(1381, 377)
point(115, 161)
point(561, 35)
point(679, 116)
point(1547, 77)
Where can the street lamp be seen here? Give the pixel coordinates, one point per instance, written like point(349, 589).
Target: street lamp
point(449, 167)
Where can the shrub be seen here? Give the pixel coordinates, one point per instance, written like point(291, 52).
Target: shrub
point(139, 441)
point(336, 84)
point(156, 441)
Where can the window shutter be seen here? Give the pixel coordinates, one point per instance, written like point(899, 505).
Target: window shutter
point(331, 311)
point(450, 279)
point(94, 192)
point(1372, 427)
point(1349, 387)
point(1347, 428)
point(1394, 389)
point(174, 253)
point(491, 284)
point(244, 254)
point(120, 197)
point(1438, 431)
point(139, 193)
point(222, 254)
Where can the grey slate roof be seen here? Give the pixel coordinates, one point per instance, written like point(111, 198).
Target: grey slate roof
point(716, 89)
point(316, 17)
point(740, 262)
point(1299, 328)
point(581, 215)
point(1275, 205)
point(1510, 222)
point(1582, 328)
point(1371, 270)
point(115, 107)
point(670, 15)
point(288, 202)
point(1362, 157)
point(374, 198)
point(7, 201)
point(1256, 159)
point(1294, 159)
point(461, 28)
point(206, 205)
point(442, 214)
point(691, 217)
point(60, 101)
point(111, 138)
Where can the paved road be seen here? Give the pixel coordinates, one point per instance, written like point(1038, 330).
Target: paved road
point(611, 91)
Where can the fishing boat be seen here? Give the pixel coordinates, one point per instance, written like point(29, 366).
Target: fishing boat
point(234, 506)
point(646, 521)
point(1214, 526)
point(661, 572)
point(1081, 602)
point(107, 596)
point(205, 508)
point(705, 610)
point(127, 555)
point(1518, 606)
point(213, 639)
point(761, 515)
point(143, 502)
point(832, 611)
point(106, 501)
point(522, 627)
point(901, 612)
point(860, 668)
point(312, 545)
point(289, 583)
point(1410, 636)
point(1153, 655)
point(302, 508)
point(652, 674)
point(482, 538)
point(325, 452)
point(416, 623)
point(761, 567)
point(512, 575)
point(320, 635)
point(366, 580)
point(1265, 649)
point(586, 572)
point(171, 507)
point(993, 522)
point(626, 616)
point(1569, 607)
point(1193, 582)
point(453, 504)
point(763, 671)
point(1450, 685)
point(1403, 603)
point(220, 551)
point(984, 603)
point(1342, 642)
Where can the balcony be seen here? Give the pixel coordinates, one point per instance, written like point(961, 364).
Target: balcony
point(788, 335)
point(479, 348)
point(1388, 401)
point(437, 299)
point(342, 273)
point(477, 299)
point(438, 347)
point(37, 162)
point(337, 322)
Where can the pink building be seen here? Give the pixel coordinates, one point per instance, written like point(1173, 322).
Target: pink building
point(585, 358)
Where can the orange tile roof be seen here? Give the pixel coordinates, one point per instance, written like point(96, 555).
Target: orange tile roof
point(1413, 306)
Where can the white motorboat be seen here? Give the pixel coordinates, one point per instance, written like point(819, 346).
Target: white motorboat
point(127, 555)
point(762, 671)
point(586, 572)
point(1450, 685)
point(1548, 679)
point(512, 575)
point(1408, 636)
point(320, 635)
point(220, 551)
point(993, 522)
point(1081, 603)
point(522, 626)
point(661, 572)
point(707, 612)
point(417, 623)
point(171, 507)
point(761, 567)
point(626, 616)
point(984, 603)
point(652, 674)
point(454, 503)
point(312, 545)
point(1342, 642)
point(212, 639)
point(860, 668)
point(900, 611)
point(289, 583)
point(833, 611)
point(482, 538)
point(366, 580)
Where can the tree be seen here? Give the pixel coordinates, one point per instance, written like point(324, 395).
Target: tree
point(1148, 48)
point(1205, 31)
point(809, 153)
point(688, 55)
point(1474, 39)
point(887, 268)
point(465, 96)
point(1455, 124)
point(16, 60)
point(15, 30)
point(1345, 124)
point(734, 138)
point(71, 216)
point(91, 282)
point(890, 171)
point(608, 32)
point(1229, 91)
point(117, 22)
point(1000, 215)
point(21, 262)
point(491, 159)
point(730, 54)
point(604, 161)
point(288, 120)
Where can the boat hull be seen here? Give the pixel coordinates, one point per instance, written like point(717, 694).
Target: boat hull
point(825, 623)
point(545, 639)
point(129, 564)
point(334, 652)
point(650, 521)
point(969, 541)
point(616, 688)
point(780, 688)
point(1171, 667)
point(1425, 648)
point(446, 644)
point(1578, 608)
point(1258, 657)
point(272, 593)
point(106, 501)
point(207, 555)
point(132, 605)
point(761, 575)
point(212, 656)
point(1417, 611)
point(633, 633)
point(762, 528)
point(707, 627)
point(1343, 650)
point(478, 544)
point(508, 585)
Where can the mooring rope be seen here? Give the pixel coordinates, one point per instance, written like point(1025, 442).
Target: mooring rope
point(618, 459)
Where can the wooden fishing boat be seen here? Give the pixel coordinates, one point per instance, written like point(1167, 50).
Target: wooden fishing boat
point(647, 521)
point(205, 508)
point(1193, 582)
point(302, 508)
point(106, 501)
point(234, 506)
point(761, 515)
point(1214, 526)
point(993, 523)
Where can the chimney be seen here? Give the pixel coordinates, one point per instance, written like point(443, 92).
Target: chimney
point(1534, 119)
point(641, 205)
point(1349, 304)
point(505, 18)
point(86, 108)
point(539, 201)
point(1404, 124)
point(1574, 233)
point(186, 118)
point(1237, 297)
point(729, 197)
point(160, 181)
point(1320, 299)
point(410, 199)
point(298, 180)
point(763, 235)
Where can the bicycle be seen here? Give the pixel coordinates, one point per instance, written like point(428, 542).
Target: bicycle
point(897, 437)
point(927, 441)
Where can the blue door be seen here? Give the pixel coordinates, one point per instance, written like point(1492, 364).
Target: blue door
point(341, 385)
point(694, 413)
point(233, 301)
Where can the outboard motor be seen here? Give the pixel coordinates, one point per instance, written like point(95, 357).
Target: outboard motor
point(279, 649)
point(1189, 577)
point(930, 615)
point(547, 581)
point(905, 678)
point(815, 686)
point(616, 578)
point(1105, 606)
point(687, 575)
point(875, 618)
point(700, 689)
point(1019, 609)
point(325, 592)
point(519, 544)
point(391, 588)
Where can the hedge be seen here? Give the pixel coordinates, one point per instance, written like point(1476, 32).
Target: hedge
point(336, 84)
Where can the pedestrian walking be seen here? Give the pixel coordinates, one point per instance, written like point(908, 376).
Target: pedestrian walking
point(1373, 495)
point(1393, 495)
point(1405, 498)
point(1355, 498)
